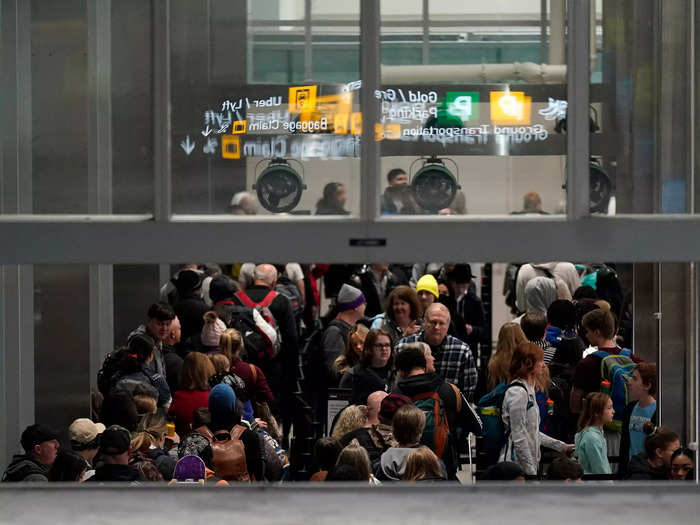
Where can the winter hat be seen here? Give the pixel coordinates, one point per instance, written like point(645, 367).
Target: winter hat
point(223, 406)
point(349, 298)
point(221, 288)
point(188, 281)
point(429, 284)
point(84, 432)
point(391, 403)
point(115, 440)
point(36, 435)
point(212, 329)
point(190, 468)
point(461, 273)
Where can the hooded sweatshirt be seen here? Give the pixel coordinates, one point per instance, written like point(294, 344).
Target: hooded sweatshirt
point(392, 464)
point(639, 469)
point(24, 468)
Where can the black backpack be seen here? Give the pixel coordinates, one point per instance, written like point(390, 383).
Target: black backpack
point(256, 344)
point(313, 362)
point(289, 290)
point(110, 367)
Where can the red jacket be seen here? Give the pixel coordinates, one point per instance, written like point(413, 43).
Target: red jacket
point(184, 403)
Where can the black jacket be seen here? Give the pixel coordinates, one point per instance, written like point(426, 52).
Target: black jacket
point(190, 311)
point(128, 380)
point(374, 301)
point(173, 365)
point(625, 438)
point(639, 469)
point(24, 468)
point(364, 381)
point(283, 376)
point(108, 472)
point(472, 311)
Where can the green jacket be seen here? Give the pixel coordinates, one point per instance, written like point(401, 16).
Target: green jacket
point(592, 451)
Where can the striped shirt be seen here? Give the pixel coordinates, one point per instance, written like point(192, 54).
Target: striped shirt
point(548, 350)
point(454, 361)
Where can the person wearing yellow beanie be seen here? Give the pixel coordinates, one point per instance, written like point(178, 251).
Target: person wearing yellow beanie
point(427, 288)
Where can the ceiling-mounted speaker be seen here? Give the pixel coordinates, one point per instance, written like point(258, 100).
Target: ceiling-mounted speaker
point(434, 186)
point(279, 186)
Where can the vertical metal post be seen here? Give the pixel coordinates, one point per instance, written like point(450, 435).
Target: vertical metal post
point(426, 32)
point(578, 79)
point(695, 366)
point(308, 42)
point(17, 363)
point(544, 48)
point(371, 80)
point(99, 35)
point(557, 17)
point(162, 119)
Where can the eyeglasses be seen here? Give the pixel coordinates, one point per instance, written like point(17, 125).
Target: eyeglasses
point(382, 345)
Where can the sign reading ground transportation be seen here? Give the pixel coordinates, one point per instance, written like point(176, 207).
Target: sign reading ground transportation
point(324, 121)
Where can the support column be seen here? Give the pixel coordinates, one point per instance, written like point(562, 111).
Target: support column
point(99, 33)
point(17, 368)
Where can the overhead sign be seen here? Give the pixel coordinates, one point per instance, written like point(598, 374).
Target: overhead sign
point(463, 105)
point(302, 98)
point(510, 108)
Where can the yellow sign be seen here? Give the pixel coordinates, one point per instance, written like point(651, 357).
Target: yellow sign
point(387, 131)
point(340, 123)
point(510, 108)
point(239, 126)
point(356, 123)
point(302, 98)
point(230, 147)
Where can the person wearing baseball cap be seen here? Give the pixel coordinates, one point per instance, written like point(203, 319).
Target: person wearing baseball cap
point(427, 289)
point(85, 441)
point(40, 445)
point(115, 442)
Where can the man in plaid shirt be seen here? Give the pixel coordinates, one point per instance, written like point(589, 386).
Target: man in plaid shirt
point(453, 358)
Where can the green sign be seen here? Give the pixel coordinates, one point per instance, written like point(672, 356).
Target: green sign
point(462, 104)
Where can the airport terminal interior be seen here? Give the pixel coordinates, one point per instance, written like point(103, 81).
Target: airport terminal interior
point(509, 164)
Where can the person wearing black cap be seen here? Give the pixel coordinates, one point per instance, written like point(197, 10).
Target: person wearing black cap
point(114, 447)
point(40, 445)
point(190, 307)
point(469, 305)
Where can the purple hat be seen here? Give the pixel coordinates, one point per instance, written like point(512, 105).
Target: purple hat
point(190, 468)
point(349, 298)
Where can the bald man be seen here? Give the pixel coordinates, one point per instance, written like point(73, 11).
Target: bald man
point(281, 373)
point(454, 361)
point(374, 436)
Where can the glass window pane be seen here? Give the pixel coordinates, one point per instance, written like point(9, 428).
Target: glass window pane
point(473, 101)
point(642, 76)
point(272, 116)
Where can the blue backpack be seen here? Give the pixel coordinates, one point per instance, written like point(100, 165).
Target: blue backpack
point(489, 408)
point(617, 368)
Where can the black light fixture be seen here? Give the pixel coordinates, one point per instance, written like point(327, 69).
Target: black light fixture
point(600, 187)
point(279, 186)
point(434, 186)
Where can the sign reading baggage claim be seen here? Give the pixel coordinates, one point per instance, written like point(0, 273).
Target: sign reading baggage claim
point(306, 123)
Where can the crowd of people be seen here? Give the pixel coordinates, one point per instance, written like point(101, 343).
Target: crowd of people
point(210, 387)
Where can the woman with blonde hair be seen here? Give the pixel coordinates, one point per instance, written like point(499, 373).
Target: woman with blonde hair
point(194, 390)
point(423, 465)
point(147, 444)
point(351, 418)
point(509, 336)
point(257, 389)
point(353, 350)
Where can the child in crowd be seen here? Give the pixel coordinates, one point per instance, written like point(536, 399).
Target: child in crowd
point(682, 465)
point(591, 448)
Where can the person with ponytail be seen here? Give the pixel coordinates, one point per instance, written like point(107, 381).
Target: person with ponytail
point(231, 345)
point(655, 462)
point(147, 445)
point(134, 370)
point(591, 448)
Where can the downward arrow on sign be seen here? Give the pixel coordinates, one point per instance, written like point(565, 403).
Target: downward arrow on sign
point(187, 145)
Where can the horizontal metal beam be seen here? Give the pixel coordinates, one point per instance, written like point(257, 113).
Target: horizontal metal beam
point(315, 239)
point(418, 22)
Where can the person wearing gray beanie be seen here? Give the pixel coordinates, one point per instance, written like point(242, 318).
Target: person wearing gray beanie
point(350, 298)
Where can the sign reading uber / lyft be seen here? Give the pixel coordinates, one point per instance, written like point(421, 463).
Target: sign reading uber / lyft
point(463, 105)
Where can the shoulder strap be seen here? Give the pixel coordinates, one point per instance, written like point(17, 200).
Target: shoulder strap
point(458, 395)
point(254, 372)
point(227, 302)
point(268, 299)
point(243, 297)
point(237, 432)
point(626, 352)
